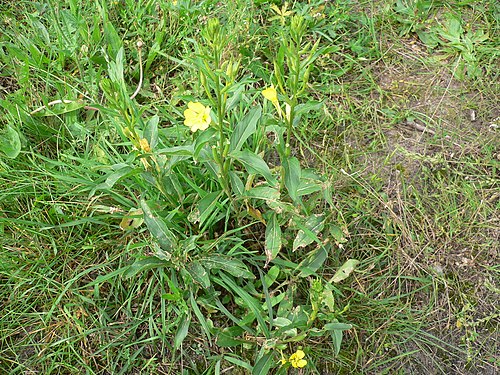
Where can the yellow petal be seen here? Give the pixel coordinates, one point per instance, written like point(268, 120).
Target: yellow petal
point(270, 94)
point(300, 354)
point(197, 107)
point(301, 363)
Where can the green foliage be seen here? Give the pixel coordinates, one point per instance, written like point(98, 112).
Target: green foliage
point(222, 178)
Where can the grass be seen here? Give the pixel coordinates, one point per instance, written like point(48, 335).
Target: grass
point(418, 209)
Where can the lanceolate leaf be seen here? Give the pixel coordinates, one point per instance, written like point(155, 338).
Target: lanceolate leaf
point(142, 265)
point(232, 266)
point(151, 131)
point(254, 164)
point(166, 239)
point(182, 332)
point(10, 142)
point(344, 271)
point(245, 128)
point(313, 262)
point(292, 177)
point(264, 193)
point(308, 232)
point(273, 238)
point(263, 365)
point(199, 273)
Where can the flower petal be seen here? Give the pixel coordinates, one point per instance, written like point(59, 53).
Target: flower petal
point(196, 107)
point(301, 363)
point(270, 94)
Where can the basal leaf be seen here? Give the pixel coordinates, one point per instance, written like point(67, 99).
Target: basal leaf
point(313, 262)
point(199, 273)
point(182, 332)
point(263, 365)
point(142, 265)
point(56, 109)
point(10, 142)
point(308, 232)
point(273, 238)
point(232, 266)
point(156, 225)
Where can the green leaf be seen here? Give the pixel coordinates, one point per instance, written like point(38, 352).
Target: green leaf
point(132, 220)
point(236, 184)
point(263, 365)
point(292, 177)
point(207, 205)
point(142, 265)
point(233, 266)
point(122, 170)
point(199, 273)
point(166, 239)
point(310, 106)
point(273, 238)
point(182, 332)
point(245, 128)
point(151, 131)
point(344, 271)
point(112, 38)
point(238, 362)
point(254, 164)
point(10, 142)
point(308, 187)
point(328, 298)
point(250, 302)
point(229, 337)
point(264, 193)
point(337, 326)
point(202, 139)
point(337, 333)
point(200, 316)
point(177, 151)
point(313, 262)
point(338, 235)
point(272, 275)
point(308, 232)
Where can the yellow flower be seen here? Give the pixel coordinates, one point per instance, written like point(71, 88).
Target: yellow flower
point(197, 116)
point(296, 359)
point(271, 94)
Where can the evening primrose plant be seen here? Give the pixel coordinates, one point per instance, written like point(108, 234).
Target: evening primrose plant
point(234, 218)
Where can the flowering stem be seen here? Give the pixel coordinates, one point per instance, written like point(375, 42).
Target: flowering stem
point(222, 160)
